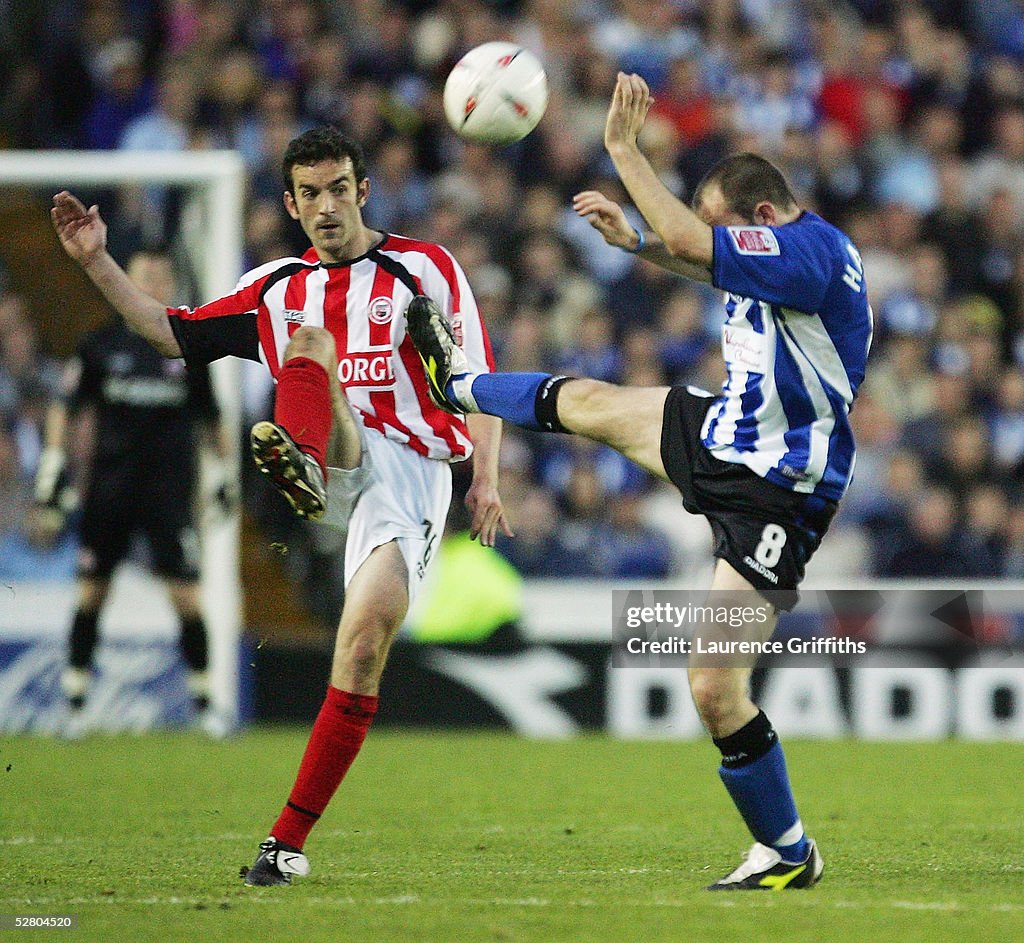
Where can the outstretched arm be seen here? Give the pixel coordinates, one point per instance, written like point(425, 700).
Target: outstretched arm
point(607, 217)
point(683, 234)
point(83, 234)
point(482, 499)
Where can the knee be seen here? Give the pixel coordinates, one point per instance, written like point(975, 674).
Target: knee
point(364, 655)
point(316, 343)
point(716, 696)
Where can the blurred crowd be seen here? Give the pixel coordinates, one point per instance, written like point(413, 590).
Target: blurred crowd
point(901, 122)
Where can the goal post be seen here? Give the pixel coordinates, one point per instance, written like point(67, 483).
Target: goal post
point(212, 231)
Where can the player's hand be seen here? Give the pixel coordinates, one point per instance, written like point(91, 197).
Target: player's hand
point(81, 231)
point(607, 217)
point(631, 101)
point(484, 503)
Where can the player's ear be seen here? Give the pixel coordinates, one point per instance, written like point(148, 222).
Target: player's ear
point(289, 204)
point(765, 215)
point(364, 192)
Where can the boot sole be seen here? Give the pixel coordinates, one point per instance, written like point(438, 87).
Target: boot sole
point(274, 457)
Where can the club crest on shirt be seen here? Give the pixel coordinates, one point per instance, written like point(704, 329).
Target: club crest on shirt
point(754, 240)
point(381, 310)
point(294, 316)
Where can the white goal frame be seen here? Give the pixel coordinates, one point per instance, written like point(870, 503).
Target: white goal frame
point(212, 222)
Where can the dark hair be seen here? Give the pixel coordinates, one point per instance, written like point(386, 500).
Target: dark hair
point(323, 143)
point(746, 180)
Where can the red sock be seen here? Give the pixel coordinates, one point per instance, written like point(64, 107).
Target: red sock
point(337, 735)
point(302, 406)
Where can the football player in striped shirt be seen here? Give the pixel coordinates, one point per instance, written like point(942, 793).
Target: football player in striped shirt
point(766, 461)
point(330, 328)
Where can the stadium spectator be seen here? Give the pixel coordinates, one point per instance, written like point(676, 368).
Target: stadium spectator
point(593, 352)
point(168, 125)
point(900, 378)
point(538, 537)
point(682, 339)
point(1008, 423)
point(987, 515)
point(882, 511)
point(933, 547)
point(547, 281)
point(400, 192)
point(122, 95)
point(685, 102)
point(915, 308)
point(630, 549)
point(939, 82)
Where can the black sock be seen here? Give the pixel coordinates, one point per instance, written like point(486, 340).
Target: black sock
point(752, 741)
point(193, 643)
point(546, 404)
point(84, 636)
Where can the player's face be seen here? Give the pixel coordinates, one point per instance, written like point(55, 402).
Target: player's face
point(328, 203)
point(714, 210)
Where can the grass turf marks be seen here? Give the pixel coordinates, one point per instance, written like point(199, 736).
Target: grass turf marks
point(462, 837)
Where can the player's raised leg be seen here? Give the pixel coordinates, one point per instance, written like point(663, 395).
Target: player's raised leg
point(375, 605)
point(629, 419)
point(292, 450)
point(348, 462)
point(753, 765)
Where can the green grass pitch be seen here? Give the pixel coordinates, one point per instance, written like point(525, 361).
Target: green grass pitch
point(463, 837)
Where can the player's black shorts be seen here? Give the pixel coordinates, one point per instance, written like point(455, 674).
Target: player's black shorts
point(766, 533)
point(125, 502)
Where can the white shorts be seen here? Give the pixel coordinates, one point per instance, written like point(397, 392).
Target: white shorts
point(406, 499)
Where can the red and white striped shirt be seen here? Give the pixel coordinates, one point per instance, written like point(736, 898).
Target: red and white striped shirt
point(362, 303)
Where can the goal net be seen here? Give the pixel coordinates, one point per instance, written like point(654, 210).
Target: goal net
point(143, 685)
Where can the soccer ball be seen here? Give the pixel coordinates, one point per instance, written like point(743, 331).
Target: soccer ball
point(496, 94)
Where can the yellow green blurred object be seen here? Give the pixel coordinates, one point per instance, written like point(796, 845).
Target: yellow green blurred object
point(470, 592)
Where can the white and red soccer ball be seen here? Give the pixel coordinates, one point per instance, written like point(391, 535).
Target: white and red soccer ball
point(496, 94)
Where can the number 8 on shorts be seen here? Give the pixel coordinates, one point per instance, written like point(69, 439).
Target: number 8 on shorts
point(769, 550)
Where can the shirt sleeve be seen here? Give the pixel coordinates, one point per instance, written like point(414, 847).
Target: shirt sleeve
point(789, 265)
point(200, 391)
point(447, 284)
point(222, 328)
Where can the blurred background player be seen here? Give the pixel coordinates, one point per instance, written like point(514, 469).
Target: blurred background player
point(143, 412)
point(328, 320)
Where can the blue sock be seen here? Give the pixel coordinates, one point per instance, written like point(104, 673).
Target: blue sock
point(757, 780)
point(512, 396)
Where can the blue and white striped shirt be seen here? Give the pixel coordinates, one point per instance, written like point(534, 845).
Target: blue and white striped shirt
point(795, 341)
